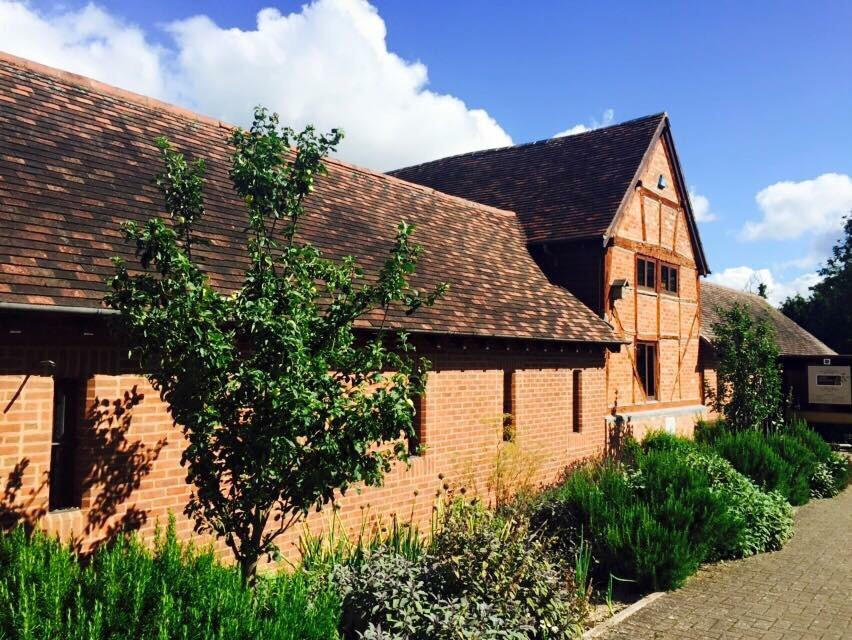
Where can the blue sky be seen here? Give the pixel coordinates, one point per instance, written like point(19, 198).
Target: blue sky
point(760, 93)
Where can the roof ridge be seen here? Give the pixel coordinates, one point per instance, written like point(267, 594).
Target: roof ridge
point(98, 86)
point(542, 141)
point(775, 313)
point(92, 84)
point(728, 287)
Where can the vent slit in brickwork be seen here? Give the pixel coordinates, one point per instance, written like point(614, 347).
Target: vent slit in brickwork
point(508, 406)
point(67, 412)
point(577, 400)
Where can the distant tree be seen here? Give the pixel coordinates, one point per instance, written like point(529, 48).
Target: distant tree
point(761, 290)
point(280, 401)
point(749, 392)
point(827, 311)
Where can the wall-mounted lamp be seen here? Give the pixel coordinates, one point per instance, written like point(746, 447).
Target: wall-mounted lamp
point(661, 183)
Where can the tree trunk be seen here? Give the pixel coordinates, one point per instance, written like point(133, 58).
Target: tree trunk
point(248, 568)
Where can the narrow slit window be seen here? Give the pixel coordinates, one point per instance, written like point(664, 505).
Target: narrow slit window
point(508, 420)
point(646, 367)
point(67, 405)
point(415, 441)
point(577, 400)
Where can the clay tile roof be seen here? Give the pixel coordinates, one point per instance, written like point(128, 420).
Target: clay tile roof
point(562, 188)
point(77, 159)
point(792, 339)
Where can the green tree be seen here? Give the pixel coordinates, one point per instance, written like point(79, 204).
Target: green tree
point(282, 403)
point(827, 311)
point(749, 374)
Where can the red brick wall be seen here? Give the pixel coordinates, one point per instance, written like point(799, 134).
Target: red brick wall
point(654, 224)
point(129, 451)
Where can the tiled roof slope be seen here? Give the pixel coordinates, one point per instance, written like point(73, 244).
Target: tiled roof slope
point(562, 188)
point(792, 339)
point(77, 159)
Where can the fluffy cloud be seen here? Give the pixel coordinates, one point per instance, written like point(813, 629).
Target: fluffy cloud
point(606, 119)
point(792, 209)
point(90, 42)
point(747, 279)
point(327, 64)
point(701, 207)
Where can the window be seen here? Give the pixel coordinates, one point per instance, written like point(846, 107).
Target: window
point(646, 275)
point(577, 400)
point(508, 406)
point(416, 440)
point(67, 400)
point(646, 272)
point(668, 278)
point(646, 367)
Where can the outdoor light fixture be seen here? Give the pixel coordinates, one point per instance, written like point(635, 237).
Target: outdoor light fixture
point(661, 183)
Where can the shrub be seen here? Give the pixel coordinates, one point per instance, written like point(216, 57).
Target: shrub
point(484, 577)
point(795, 461)
point(801, 462)
point(128, 591)
point(654, 523)
point(766, 517)
point(673, 505)
point(750, 454)
point(831, 474)
point(685, 499)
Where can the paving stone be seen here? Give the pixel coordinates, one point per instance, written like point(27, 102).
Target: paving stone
point(802, 592)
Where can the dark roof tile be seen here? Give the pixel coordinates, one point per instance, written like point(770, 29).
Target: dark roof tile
point(562, 188)
point(792, 339)
point(77, 159)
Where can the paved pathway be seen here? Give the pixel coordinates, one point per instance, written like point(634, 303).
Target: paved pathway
point(802, 591)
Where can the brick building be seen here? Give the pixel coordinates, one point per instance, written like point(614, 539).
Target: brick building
point(574, 267)
point(606, 215)
point(87, 448)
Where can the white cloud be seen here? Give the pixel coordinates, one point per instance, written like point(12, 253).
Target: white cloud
point(747, 279)
point(327, 64)
point(606, 119)
point(792, 209)
point(701, 207)
point(90, 42)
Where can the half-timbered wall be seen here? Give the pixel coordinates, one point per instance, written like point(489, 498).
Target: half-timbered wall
point(654, 226)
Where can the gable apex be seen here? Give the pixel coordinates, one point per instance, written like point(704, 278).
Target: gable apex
point(664, 136)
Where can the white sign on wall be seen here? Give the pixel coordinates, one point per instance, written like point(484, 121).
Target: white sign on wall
point(829, 385)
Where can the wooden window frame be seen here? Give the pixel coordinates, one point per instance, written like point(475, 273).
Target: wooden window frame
point(658, 274)
point(669, 266)
point(640, 258)
point(656, 349)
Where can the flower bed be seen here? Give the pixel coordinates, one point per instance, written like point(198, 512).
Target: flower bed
point(530, 570)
